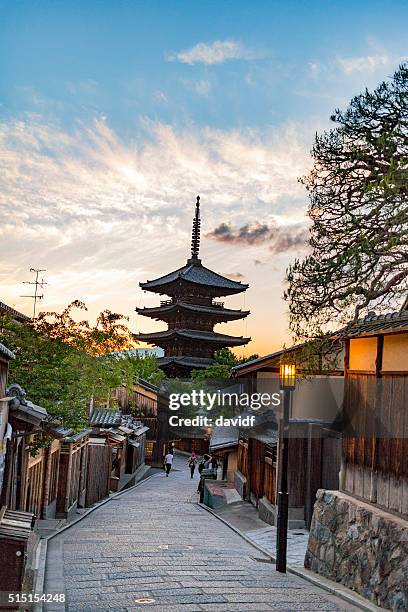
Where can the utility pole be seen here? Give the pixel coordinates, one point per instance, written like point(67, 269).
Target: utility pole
point(39, 284)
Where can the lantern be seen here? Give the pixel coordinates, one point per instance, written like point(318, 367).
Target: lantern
point(287, 375)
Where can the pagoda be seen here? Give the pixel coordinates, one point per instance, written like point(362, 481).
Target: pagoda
point(189, 342)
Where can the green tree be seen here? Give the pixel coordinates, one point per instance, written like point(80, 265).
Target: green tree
point(63, 363)
point(225, 360)
point(358, 190)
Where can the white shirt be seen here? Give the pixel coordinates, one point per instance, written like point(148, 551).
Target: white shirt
point(169, 458)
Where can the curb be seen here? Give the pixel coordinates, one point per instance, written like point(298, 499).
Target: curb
point(327, 585)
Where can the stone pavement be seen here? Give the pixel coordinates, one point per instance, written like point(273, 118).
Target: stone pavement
point(244, 517)
point(154, 548)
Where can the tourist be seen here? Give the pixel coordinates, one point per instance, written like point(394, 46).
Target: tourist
point(192, 463)
point(168, 462)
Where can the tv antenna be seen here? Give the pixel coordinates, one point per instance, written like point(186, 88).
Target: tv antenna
point(39, 285)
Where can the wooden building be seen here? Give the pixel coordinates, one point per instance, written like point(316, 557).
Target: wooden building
point(375, 441)
point(224, 445)
point(5, 429)
point(72, 478)
point(149, 404)
point(23, 485)
point(189, 341)
point(365, 547)
point(314, 442)
point(126, 439)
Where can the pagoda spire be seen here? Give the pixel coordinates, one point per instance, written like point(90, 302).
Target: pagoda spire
point(195, 234)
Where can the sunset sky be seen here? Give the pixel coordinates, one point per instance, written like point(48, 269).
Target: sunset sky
point(115, 114)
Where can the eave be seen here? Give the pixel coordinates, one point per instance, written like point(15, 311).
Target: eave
point(164, 312)
point(192, 334)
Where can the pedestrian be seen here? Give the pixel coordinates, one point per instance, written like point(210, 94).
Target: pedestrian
point(207, 461)
point(204, 460)
point(168, 462)
point(192, 463)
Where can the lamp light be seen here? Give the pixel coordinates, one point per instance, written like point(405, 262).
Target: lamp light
point(287, 375)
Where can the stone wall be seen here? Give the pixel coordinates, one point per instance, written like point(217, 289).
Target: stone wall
point(266, 511)
point(361, 546)
point(240, 483)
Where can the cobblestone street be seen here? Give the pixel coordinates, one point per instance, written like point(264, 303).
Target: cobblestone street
point(154, 544)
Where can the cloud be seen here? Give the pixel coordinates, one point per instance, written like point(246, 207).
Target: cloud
point(290, 238)
point(355, 65)
point(234, 275)
point(257, 234)
point(203, 87)
point(103, 213)
point(160, 96)
point(364, 64)
point(280, 239)
point(215, 53)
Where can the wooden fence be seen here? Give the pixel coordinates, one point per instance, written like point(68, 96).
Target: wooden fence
point(98, 472)
point(375, 444)
point(72, 474)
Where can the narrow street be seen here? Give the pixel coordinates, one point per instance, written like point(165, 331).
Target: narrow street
point(154, 544)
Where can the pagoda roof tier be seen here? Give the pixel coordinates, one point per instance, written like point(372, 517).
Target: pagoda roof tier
point(215, 312)
point(194, 273)
point(192, 334)
point(190, 363)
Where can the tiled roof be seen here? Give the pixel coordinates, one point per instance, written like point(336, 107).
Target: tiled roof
point(193, 334)
point(78, 436)
point(188, 362)
point(59, 431)
point(211, 310)
point(8, 310)
point(195, 272)
point(28, 411)
point(6, 352)
point(374, 324)
point(224, 437)
point(273, 359)
point(101, 418)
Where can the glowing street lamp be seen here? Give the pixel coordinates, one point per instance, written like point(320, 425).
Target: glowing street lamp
point(287, 380)
point(287, 376)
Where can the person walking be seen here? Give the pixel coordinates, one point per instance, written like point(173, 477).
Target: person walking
point(192, 463)
point(168, 462)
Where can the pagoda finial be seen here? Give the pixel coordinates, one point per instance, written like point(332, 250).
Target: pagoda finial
point(195, 235)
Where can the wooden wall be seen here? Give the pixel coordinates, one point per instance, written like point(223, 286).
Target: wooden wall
point(3, 376)
point(72, 475)
point(242, 462)
point(375, 444)
point(98, 472)
point(137, 400)
point(270, 470)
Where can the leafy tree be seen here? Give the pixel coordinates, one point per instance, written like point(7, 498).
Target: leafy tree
point(136, 367)
point(225, 360)
point(225, 357)
point(63, 364)
point(217, 370)
point(358, 192)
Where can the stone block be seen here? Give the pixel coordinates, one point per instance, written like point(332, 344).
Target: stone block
point(240, 483)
